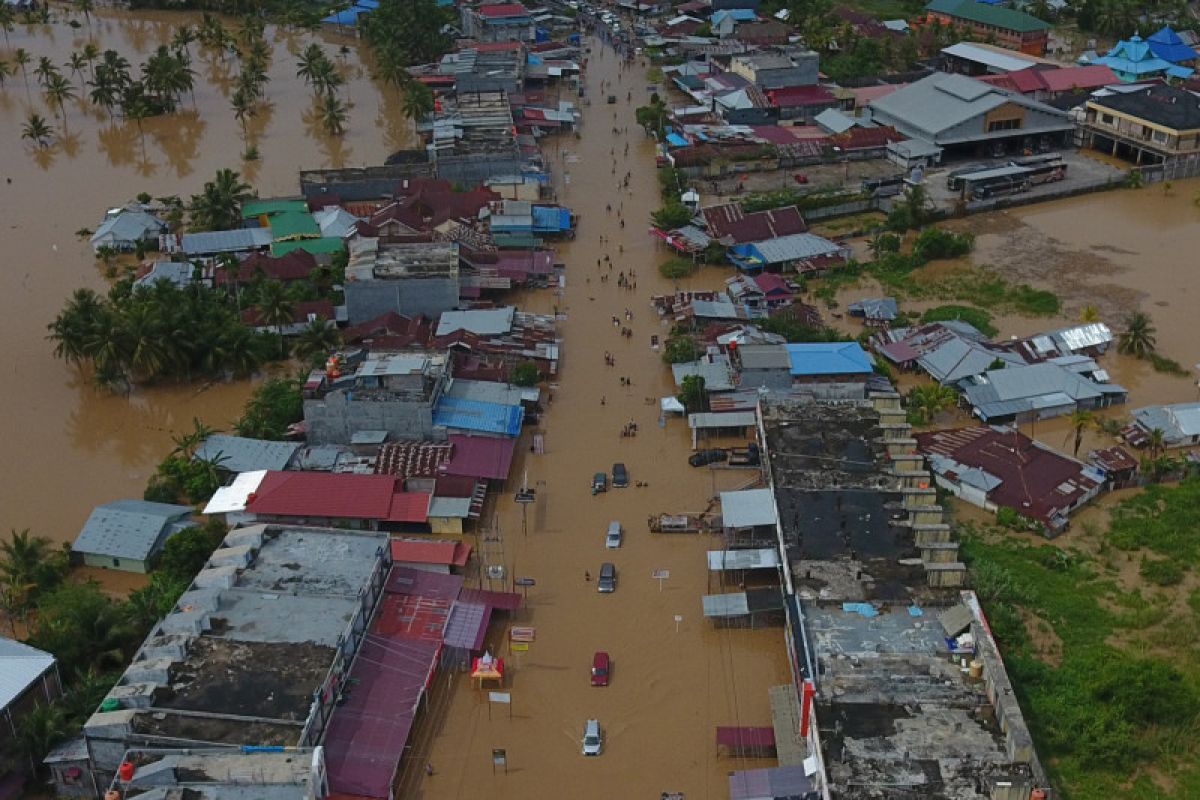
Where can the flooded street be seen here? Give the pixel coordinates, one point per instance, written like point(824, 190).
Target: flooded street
point(670, 689)
point(68, 446)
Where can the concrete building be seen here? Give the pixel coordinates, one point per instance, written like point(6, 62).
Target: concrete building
point(473, 138)
point(879, 633)
point(498, 22)
point(777, 70)
point(964, 115)
point(1013, 29)
point(408, 279)
point(128, 534)
point(28, 679)
point(1152, 125)
point(255, 652)
point(225, 774)
point(395, 393)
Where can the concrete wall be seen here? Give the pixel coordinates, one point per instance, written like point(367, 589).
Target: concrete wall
point(107, 562)
point(335, 418)
point(409, 296)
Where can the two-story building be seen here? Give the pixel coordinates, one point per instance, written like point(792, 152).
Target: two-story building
point(498, 22)
point(1155, 125)
point(1007, 27)
point(777, 70)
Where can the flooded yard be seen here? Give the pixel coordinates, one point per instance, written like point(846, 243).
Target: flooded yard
point(69, 446)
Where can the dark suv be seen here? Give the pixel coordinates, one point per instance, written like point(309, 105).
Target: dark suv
point(620, 476)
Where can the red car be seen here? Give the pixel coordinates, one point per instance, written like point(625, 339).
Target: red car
point(600, 669)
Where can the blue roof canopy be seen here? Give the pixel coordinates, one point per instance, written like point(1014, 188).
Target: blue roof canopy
point(478, 415)
point(828, 358)
point(1167, 45)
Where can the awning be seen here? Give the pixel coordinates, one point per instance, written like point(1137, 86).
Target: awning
point(672, 404)
point(742, 737)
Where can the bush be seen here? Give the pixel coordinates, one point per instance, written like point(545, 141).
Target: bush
point(969, 314)
point(676, 268)
point(673, 215)
point(796, 331)
point(681, 349)
point(1161, 572)
point(272, 409)
point(1035, 302)
point(525, 374)
point(933, 243)
point(1166, 365)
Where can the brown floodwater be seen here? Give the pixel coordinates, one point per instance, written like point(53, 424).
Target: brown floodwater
point(68, 447)
point(669, 689)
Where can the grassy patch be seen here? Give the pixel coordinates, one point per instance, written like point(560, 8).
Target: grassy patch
point(1167, 365)
point(1164, 519)
point(969, 314)
point(1109, 715)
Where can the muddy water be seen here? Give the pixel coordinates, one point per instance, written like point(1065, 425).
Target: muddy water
point(66, 446)
point(670, 689)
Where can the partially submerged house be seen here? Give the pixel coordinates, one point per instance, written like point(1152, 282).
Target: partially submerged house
point(129, 534)
point(127, 227)
point(994, 467)
point(1179, 423)
point(1040, 391)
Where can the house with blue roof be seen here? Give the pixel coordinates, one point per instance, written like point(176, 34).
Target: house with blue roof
point(478, 416)
point(1134, 60)
point(1167, 45)
point(830, 369)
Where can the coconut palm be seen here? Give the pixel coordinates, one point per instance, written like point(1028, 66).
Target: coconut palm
point(316, 340)
point(275, 308)
point(40, 730)
point(243, 107)
point(183, 38)
point(58, 91)
point(69, 329)
point(85, 7)
point(1156, 441)
point(37, 130)
point(1138, 339)
point(24, 558)
point(1089, 313)
point(22, 59)
point(8, 17)
point(219, 206)
point(1081, 420)
point(6, 70)
point(309, 62)
point(90, 53)
point(45, 69)
point(186, 443)
point(418, 101)
point(76, 63)
point(334, 115)
point(327, 79)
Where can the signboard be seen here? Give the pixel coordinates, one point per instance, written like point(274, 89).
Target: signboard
point(678, 619)
point(499, 759)
point(525, 582)
point(519, 647)
point(661, 574)
point(520, 634)
point(525, 496)
point(500, 697)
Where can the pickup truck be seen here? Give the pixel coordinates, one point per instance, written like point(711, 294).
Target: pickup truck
point(747, 456)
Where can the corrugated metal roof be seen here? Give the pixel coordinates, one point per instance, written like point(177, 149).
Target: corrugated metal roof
point(725, 605)
point(473, 415)
point(130, 529)
point(717, 374)
point(480, 456)
point(828, 358)
point(225, 241)
point(481, 321)
point(748, 508)
point(242, 454)
point(794, 247)
point(20, 665)
point(234, 497)
point(762, 558)
point(730, 419)
point(324, 494)
point(1007, 62)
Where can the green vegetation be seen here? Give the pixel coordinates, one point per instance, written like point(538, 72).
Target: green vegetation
point(933, 243)
point(925, 402)
point(693, 395)
point(869, 57)
point(653, 116)
point(1167, 365)
point(274, 407)
point(219, 206)
point(805, 201)
point(151, 333)
point(673, 215)
point(796, 331)
point(676, 268)
point(1164, 519)
point(911, 212)
point(969, 314)
point(407, 32)
point(1140, 339)
point(680, 348)
point(525, 374)
point(183, 478)
point(1101, 709)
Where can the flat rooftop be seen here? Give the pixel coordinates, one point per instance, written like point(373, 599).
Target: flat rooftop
point(313, 561)
point(898, 711)
point(219, 775)
point(825, 445)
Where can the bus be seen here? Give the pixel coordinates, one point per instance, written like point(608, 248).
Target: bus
point(1043, 169)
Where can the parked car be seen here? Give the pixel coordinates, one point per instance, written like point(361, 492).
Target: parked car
point(593, 739)
point(600, 668)
point(612, 539)
point(608, 578)
point(599, 482)
point(705, 457)
point(620, 476)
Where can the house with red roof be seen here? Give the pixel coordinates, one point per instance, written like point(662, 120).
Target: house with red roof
point(497, 22)
point(730, 224)
point(997, 467)
point(801, 102)
point(297, 265)
point(430, 555)
point(303, 314)
point(1042, 83)
point(323, 499)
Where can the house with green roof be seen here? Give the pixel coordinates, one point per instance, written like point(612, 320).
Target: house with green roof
point(1007, 27)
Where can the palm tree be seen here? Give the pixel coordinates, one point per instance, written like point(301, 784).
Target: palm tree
point(45, 69)
point(58, 91)
point(76, 63)
point(219, 206)
point(1138, 339)
point(28, 565)
point(418, 101)
point(1081, 420)
point(85, 7)
point(183, 38)
point(309, 62)
point(5, 71)
point(39, 731)
point(69, 329)
point(334, 115)
point(37, 130)
point(8, 16)
point(275, 308)
point(1156, 441)
point(316, 340)
point(1089, 313)
point(327, 78)
point(243, 107)
point(22, 59)
point(186, 443)
point(90, 53)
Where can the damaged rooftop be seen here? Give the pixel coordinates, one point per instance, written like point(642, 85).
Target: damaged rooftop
point(818, 445)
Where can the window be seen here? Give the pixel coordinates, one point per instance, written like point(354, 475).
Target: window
point(1107, 119)
point(1161, 137)
point(116, 562)
point(1003, 125)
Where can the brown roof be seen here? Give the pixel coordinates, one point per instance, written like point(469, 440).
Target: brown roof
point(762, 32)
point(729, 220)
point(322, 309)
point(295, 266)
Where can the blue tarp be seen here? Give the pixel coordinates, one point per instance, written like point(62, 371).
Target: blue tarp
point(866, 609)
point(477, 415)
point(573, 38)
point(675, 140)
point(532, 59)
point(548, 219)
point(541, 35)
point(347, 17)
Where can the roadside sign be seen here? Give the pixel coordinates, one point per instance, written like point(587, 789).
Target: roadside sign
point(525, 582)
point(526, 496)
point(521, 634)
point(660, 575)
point(499, 758)
point(500, 697)
point(519, 647)
point(678, 619)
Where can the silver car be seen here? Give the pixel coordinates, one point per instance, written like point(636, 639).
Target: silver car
point(612, 540)
point(593, 739)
